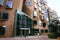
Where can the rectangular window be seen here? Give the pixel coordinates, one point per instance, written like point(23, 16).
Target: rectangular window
point(42, 31)
point(47, 17)
point(43, 6)
point(35, 6)
point(35, 22)
point(35, 1)
point(42, 17)
point(44, 25)
point(38, 1)
point(36, 30)
point(39, 23)
point(46, 31)
point(4, 16)
point(9, 4)
point(39, 8)
point(39, 4)
point(18, 19)
point(1, 2)
point(34, 16)
point(43, 11)
point(35, 13)
point(28, 3)
point(2, 30)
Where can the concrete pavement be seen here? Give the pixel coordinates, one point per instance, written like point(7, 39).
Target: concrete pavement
point(28, 38)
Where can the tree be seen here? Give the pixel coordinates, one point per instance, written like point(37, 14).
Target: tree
point(54, 27)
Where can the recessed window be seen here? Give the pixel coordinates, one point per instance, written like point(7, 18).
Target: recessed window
point(43, 11)
point(42, 31)
point(35, 13)
point(35, 22)
point(28, 3)
point(18, 19)
point(39, 4)
point(42, 17)
point(9, 4)
point(42, 6)
point(46, 31)
point(36, 30)
point(47, 15)
point(34, 16)
point(4, 16)
point(2, 30)
point(39, 23)
point(38, 1)
point(44, 25)
point(1, 2)
point(39, 8)
point(35, 1)
point(35, 6)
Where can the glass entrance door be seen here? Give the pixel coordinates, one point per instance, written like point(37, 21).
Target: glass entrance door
point(24, 32)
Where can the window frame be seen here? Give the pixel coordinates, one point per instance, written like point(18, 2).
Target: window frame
point(35, 1)
point(1, 2)
point(35, 13)
point(35, 6)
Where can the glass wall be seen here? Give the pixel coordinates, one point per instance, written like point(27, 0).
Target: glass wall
point(24, 25)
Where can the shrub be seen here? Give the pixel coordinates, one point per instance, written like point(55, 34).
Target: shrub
point(51, 35)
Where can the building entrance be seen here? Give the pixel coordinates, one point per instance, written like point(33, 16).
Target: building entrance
point(23, 32)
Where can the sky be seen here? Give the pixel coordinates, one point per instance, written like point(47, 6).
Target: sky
point(55, 5)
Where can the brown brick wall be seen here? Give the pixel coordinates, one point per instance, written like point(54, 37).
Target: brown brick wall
point(17, 4)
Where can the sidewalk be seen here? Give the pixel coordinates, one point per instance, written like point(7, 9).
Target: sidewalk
point(28, 38)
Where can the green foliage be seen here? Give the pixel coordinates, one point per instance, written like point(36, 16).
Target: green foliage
point(54, 28)
point(51, 35)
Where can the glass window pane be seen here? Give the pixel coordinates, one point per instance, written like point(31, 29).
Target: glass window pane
point(35, 5)
point(28, 2)
point(2, 30)
point(9, 4)
point(1, 2)
point(35, 13)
